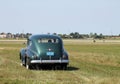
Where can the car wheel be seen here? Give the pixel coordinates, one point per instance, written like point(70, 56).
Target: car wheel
point(21, 63)
point(54, 67)
point(37, 67)
point(64, 67)
point(27, 64)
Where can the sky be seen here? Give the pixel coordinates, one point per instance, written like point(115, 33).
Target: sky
point(60, 16)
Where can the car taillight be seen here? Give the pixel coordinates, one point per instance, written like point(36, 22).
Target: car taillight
point(64, 56)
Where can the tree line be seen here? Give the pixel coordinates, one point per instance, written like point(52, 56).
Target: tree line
point(72, 35)
point(15, 36)
point(77, 35)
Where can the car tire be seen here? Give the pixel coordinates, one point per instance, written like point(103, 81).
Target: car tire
point(37, 67)
point(27, 64)
point(64, 67)
point(22, 64)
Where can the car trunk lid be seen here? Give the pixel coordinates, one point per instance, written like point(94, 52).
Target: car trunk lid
point(50, 51)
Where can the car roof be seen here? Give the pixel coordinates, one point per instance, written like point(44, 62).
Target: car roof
point(44, 36)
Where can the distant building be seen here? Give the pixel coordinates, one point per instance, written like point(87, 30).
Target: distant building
point(3, 36)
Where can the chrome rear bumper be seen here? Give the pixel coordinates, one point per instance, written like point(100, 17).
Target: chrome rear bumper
point(49, 61)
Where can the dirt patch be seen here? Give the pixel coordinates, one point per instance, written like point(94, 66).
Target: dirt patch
point(1, 48)
point(8, 48)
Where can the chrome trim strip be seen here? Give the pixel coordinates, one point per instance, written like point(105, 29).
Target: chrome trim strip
point(49, 61)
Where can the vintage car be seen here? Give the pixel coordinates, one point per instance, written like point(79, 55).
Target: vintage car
point(44, 50)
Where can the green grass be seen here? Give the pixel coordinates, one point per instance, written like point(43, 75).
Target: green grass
point(90, 63)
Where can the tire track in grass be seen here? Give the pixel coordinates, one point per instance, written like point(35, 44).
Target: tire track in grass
point(80, 76)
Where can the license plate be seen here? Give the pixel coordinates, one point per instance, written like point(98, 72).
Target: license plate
point(50, 53)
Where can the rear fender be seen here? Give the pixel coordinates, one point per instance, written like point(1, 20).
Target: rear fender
point(65, 55)
point(22, 53)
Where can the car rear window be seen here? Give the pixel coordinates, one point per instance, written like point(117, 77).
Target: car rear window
point(48, 40)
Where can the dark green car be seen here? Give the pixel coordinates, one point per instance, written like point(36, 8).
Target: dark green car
point(44, 50)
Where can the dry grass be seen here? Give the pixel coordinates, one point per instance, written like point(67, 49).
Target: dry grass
point(90, 63)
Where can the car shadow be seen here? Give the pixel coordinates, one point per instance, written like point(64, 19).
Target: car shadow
point(72, 68)
point(69, 68)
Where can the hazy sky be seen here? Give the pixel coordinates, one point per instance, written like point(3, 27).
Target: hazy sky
point(60, 16)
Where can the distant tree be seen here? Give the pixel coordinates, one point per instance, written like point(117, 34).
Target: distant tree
point(60, 35)
point(64, 36)
point(102, 36)
point(95, 35)
point(98, 36)
point(17, 35)
point(91, 35)
point(3, 33)
point(84, 36)
point(76, 35)
point(28, 34)
point(119, 35)
point(71, 34)
point(9, 35)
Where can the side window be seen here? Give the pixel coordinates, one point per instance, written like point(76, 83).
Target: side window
point(29, 43)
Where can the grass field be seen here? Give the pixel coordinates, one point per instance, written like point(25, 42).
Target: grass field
point(90, 63)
